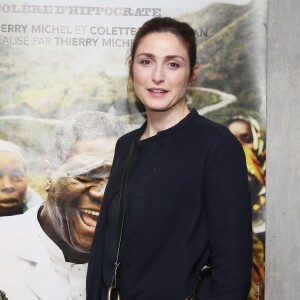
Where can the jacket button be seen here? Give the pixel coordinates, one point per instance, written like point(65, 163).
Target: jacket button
point(141, 195)
point(133, 230)
point(153, 169)
point(128, 264)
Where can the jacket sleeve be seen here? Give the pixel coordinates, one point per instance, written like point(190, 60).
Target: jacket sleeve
point(228, 203)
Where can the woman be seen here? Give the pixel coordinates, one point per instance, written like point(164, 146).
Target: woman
point(247, 130)
point(187, 201)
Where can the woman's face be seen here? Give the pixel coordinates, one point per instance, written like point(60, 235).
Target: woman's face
point(161, 71)
point(243, 132)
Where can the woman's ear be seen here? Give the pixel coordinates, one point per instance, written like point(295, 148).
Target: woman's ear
point(48, 175)
point(194, 75)
point(129, 63)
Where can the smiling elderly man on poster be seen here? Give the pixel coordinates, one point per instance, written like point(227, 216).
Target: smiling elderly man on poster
point(44, 252)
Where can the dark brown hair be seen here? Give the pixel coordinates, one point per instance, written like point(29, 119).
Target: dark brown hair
point(165, 24)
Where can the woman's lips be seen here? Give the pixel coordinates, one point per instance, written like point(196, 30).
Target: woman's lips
point(157, 90)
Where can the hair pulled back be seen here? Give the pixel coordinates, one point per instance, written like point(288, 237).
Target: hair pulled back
point(166, 24)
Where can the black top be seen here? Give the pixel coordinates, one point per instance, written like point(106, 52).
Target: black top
point(144, 152)
point(189, 204)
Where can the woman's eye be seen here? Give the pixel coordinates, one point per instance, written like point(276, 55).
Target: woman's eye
point(174, 65)
point(246, 138)
point(145, 62)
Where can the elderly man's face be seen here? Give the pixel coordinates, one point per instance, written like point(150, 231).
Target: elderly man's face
point(76, 192)
point(13, 183)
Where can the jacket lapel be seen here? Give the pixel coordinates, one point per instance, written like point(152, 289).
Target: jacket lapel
point(41, 277)
point(43, 281)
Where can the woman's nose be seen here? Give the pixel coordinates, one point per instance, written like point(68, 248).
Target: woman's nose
point(6, 184)
point(158, 74)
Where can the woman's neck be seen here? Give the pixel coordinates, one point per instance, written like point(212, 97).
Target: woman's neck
point(162, 120)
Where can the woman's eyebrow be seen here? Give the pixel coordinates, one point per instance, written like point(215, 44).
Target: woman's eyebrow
point(146, 54)
point(168, 57)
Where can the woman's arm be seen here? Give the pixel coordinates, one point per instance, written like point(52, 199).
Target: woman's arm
point(227, 198)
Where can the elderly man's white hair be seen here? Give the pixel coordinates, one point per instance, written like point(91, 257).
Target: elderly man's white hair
point(85, 125)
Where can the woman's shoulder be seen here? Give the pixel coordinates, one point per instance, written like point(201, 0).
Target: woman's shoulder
point(213, 133)
point(209, 126)
point(124, 142)
point(128, 137)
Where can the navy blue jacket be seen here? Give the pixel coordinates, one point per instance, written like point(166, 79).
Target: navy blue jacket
point(195, 209)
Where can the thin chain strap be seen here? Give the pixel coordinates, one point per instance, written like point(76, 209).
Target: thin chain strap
point(122, 202)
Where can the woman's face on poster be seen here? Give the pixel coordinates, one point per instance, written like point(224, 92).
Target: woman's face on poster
point(13, 183)
point(242, 132)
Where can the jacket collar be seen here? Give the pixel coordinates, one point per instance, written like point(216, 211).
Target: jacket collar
point(43, 279)
point(162, 134)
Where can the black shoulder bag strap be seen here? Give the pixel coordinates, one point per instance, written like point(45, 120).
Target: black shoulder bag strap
point(113, 291)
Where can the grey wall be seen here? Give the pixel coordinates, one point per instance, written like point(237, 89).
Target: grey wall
point(283, 151)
